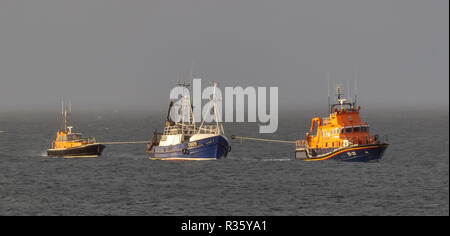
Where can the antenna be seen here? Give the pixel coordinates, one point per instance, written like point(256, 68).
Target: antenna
point(337, 93)
point(348, 90)
point(334, 88)
point(356, 86)
point(65, 120)
point(64, 113)
point(328, 85)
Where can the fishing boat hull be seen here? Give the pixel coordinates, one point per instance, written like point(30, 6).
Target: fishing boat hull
point(90, 150)
point(359, 153)
point(212, 148)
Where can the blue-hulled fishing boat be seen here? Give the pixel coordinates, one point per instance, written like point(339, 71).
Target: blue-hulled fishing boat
point(186, 141)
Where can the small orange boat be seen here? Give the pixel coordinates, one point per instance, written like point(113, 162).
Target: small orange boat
point(71, 145)
point(340, 136)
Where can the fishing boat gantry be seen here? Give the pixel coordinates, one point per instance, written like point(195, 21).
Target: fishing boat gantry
point(340, 136)
point(69, 144)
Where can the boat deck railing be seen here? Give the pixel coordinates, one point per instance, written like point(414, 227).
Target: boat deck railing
point(190, 129)
point(91, 140)
point(179, 129)
point(300, 143)
point(208, 129)
point(383, 139)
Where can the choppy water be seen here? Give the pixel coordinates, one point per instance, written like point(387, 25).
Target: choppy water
point(258, 179)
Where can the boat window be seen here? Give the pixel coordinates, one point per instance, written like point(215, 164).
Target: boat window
point(356, 129)
point(315, 128)
point(73, 137)
point(348, 130)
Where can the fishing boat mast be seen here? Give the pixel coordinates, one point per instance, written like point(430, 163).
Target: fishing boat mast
point(217, 115)
point(186, 105)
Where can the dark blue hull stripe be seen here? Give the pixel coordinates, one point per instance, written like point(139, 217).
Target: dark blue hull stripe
point(362, 153)
point(216, 147)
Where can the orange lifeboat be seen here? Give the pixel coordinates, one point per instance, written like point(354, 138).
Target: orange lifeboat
point(340, 136)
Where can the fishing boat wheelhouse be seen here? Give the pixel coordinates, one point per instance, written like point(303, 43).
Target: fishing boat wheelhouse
point(341, 136)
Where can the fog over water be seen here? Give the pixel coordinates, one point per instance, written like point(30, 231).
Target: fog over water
point(109, 54)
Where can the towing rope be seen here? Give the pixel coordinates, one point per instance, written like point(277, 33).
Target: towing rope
point(131, 142)
point(232, 137)
point(261, 139)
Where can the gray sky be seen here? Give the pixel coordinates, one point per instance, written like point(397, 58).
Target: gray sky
point(127, 54)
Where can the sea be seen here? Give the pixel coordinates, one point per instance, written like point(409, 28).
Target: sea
point(257, 178)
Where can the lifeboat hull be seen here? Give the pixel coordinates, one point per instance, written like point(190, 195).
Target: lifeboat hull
point(90, 150)
point(360, 153)
point(212, 148)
